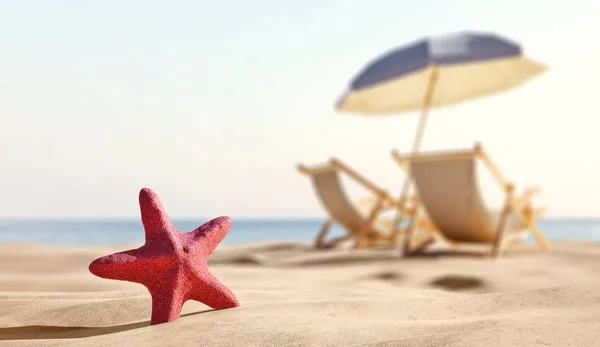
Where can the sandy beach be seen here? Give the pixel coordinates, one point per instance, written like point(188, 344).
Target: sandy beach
point(292, 295)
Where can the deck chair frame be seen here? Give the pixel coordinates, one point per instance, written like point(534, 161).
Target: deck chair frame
point(522, 205)
point(383, 202)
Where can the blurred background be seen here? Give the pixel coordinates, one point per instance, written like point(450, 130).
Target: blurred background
point(212, 105)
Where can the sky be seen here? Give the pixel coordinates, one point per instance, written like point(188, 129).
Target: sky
point(212, 104)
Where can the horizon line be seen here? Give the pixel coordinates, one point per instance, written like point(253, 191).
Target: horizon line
point(263, 218)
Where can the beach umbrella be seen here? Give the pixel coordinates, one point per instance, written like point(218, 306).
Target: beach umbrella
point(437, 71)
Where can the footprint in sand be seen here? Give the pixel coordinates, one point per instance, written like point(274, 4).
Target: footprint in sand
point(387, 276)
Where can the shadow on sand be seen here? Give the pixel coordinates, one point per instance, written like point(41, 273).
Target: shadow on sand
point(41, 332)
point(458, 282)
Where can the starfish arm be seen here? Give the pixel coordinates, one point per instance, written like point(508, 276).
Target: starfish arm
point(209, 291)
point(154, 218)
point(208, 236)
point(122, 266)
point(168, 296)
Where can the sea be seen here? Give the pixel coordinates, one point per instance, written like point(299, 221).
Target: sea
point(109, 232)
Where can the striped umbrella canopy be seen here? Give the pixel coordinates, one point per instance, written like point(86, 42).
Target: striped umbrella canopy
point(438, 71)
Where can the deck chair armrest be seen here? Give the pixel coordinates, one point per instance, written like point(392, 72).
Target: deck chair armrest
point(314, 169)
point(525, 206)
point(540, 211)
point(525, 200)
point(529, 193)
point(388, 202)
point(338, 164)
point(366, 205)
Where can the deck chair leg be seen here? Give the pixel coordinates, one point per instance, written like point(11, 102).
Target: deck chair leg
point(334, 242)
point(408, 237)
point(321, 243)
point(512, 240)
point(394, 237)
point(320, 240)
point(424, 241)
point(540, 239)
point(359, 242)
point(361, 239)
point(503, 223)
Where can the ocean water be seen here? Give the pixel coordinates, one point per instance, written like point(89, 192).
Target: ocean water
point(91, 232)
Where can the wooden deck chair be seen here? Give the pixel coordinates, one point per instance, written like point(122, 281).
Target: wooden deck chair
point(363, 227)
point(447, 186)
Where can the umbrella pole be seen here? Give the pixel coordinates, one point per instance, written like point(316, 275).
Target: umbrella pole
point(425, 111)
point(428, 98)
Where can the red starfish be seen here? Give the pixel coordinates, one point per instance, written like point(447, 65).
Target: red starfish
point(172, 265)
